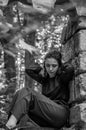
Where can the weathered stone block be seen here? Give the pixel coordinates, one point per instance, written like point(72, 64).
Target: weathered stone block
point(80, 85)
point(82, 40)
point(82, 60)
point(78, 113)
point(78, 89)
point(82, 34)
point(81, 10)
point(68, 51)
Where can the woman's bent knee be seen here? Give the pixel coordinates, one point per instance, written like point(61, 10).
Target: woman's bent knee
point(20, 108)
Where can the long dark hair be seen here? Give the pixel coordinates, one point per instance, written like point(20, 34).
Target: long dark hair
point(57, 56)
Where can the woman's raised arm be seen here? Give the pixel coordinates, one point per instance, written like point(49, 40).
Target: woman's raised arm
point(28, 47)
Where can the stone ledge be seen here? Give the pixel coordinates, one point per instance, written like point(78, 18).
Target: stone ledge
point(78, 113)
point(77, 100)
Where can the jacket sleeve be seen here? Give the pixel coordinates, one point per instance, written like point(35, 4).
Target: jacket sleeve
point(34, 72)
point(67, 73)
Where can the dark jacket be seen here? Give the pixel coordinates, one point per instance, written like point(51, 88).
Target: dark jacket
point(57, 88)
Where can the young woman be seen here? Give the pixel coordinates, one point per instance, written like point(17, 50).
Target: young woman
point(49, 109)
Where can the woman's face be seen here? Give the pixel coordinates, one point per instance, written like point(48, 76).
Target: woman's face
point(51, 66)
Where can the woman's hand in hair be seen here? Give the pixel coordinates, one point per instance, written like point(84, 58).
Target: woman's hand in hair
point(42, 72)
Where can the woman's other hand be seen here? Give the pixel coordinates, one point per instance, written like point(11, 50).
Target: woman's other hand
point(28, 47)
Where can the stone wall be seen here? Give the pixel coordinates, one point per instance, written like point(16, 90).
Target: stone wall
point(74, 51)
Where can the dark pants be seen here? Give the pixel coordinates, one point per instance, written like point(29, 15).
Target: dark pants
point(41, 109)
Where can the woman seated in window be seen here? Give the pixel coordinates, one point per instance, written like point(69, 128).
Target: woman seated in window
point(49, 109)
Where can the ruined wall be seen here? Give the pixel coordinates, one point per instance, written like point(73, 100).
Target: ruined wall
point(74, 51)
point(78, 111)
